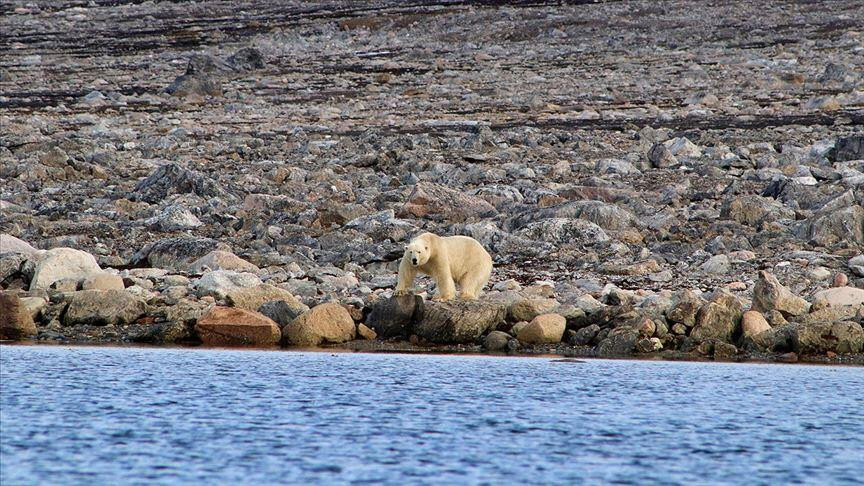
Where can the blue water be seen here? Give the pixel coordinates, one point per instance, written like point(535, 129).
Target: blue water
point(136, 415)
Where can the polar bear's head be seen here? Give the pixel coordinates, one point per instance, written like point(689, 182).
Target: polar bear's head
point(418, 251)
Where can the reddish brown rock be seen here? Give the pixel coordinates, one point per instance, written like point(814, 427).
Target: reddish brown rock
point(15, 319)
point(232, 326)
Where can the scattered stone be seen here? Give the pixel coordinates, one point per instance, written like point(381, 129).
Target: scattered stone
point(528, 308)
point(221, 260)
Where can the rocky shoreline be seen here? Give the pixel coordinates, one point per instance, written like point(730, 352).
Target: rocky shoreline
point(682, 181)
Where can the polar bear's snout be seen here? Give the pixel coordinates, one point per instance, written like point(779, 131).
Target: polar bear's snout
point(414, 260)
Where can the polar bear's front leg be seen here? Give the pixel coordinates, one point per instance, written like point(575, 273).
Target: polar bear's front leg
point(407, 272)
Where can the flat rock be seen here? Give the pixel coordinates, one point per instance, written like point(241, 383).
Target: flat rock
point(252, 298)
point(840, 296)
point(231, 326)
point(221, 260)
point(458, 321)
point(220, 283)
point(103, 308)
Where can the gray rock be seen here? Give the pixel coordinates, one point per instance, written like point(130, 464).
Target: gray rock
point(282, 312)
point(585, 336)
point(171, 179)
point(621, 341)
point(177, 254)
point(496, 341)
point(458, 321)
point(395, 317)
point(103, 308)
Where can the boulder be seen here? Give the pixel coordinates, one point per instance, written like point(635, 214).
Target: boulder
point(718, 319)
point(252, 298)
point(221, 260)
point(283, 311)
point(438, 202)
point(232, 326)
point(561, 231)
point(194, 84)
point(754, 210)
point(716, 265)
point(16, 321)
point(496, 341)
point(770, 294)
point(176, 254)
point(849, 148)
point(220, 283)
point(102, 281)
point(840, 296)
point(685, 310)
point(170, 179)
point(61, 264)
point(323, 324)
point(528, 308)
point(621, 341)
point(103, 308)
point(458, 321)
point(753, 323)
point(543, 329)
point(830, 226)
point(395, 317)
point(584, 336)
point(822, 337)
point(11, 244)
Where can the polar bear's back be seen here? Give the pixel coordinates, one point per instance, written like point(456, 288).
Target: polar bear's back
point(465, 254)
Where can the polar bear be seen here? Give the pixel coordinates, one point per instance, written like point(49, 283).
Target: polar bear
point(449, 260)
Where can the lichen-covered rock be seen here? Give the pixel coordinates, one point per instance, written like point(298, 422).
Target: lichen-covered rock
point(543, 329)
point(232, 326)
point(685, 310)
point(103, 308)
point(458, 321)
point(718, 319)
point(821, 337)
point(328, 323)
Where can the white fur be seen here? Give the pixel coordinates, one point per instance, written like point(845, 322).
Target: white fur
point(449, 260)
